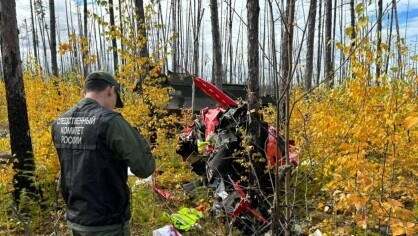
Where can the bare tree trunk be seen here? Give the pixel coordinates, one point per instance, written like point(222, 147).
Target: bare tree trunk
point(40, 11)
point(25, 43)
point(328, 44)
point(283, 108)
point(114, 44)
point(53, 44)
point(286, 55)
point(75, 66)
point(216, 45)
point(62, 63)
point(203, 49)
point(180, 41)
point(140, 14)
point(320, 43)
point(333, 38)
point(187, 46)
point(253, 93)
point(85, 51)
point(20, 140)
point(231, 53)
point(69, 32)
point(389, 42)
point(101, 53)
point(34, 33)
point(253, 10)
point(379, 36)
point(310, 44)
point(342, 40)
point(398, 36)
point(264, 77)
point(353, 23)
point(163, 33)
point(121, 28)
point(196, 32)
point(96, 42)
point(273, 49)
point(174, 31)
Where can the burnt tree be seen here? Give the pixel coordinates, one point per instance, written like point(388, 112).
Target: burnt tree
point(141, 28)
point(85, 49)
point(53, 43)
point(20, 140)
point(113, 27)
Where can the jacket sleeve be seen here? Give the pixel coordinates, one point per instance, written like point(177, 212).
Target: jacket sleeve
point(128, 145)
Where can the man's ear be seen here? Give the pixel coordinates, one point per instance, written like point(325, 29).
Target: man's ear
point(109, 91)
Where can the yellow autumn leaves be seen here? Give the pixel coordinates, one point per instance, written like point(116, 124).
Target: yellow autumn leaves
point(360, 147)
point(410, 122)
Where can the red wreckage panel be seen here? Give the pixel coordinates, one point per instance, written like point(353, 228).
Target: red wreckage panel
point(212, 91)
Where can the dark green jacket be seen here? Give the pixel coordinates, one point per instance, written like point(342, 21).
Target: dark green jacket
point(95, 146)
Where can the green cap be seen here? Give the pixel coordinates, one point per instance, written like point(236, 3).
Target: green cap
point(100, 75)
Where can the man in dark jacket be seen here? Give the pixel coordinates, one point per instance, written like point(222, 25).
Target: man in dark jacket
point(95, 146)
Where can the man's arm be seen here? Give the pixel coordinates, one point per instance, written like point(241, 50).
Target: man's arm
point(128, 145)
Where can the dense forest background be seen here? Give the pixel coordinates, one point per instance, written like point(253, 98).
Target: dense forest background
point(184, 28)
point(342, 73)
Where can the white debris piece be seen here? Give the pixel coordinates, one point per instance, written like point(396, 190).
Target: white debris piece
point(317, 233)
point(167, 230)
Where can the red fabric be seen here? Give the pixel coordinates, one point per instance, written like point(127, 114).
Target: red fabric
point(244, 205)
point(294, 156)
point(271, 149)
point(165, 194)
point(210, 118)
point(187, 131)
point(208, 150)
point(215, 93)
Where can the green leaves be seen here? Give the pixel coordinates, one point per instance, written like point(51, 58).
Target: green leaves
point(362, 22)
point(414, 58)
point(349, 31)
point(359, 8)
